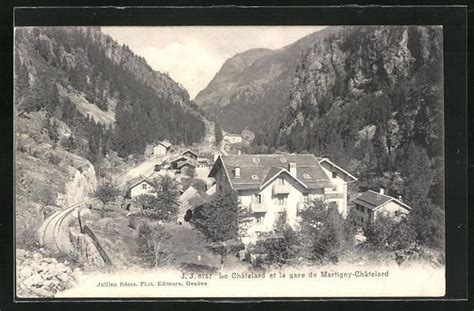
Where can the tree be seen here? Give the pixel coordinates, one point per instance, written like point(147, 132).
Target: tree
point(163, 206)
point(150, 242)
point(222, 220)
point(324, 233)
point(283, 246)
point(106, 192)
point(218, 133)
point(417, 174)
point(199, 184)
point(379, 231)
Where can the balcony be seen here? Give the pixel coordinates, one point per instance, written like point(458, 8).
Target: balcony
point(281, 189)
point(335, 195)
point(258, 207)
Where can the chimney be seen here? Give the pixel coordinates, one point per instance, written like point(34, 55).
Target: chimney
point(292, 168)
point(239, 152)
point(379, 195)
point(237, 172)
point(400, 198)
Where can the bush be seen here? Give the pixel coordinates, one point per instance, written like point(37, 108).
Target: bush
point(282, 246)
point(28, 221)
point(54, 159)
point(134, 222)
point(325, 235)
point(385, 233)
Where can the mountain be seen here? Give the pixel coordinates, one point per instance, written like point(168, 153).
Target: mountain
point(371, 98)
point(84, 103)
point(256, 82)
point(99, 88)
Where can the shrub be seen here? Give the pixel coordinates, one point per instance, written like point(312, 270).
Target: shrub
point(28, 221)
point(282, 247)
point(324, 233)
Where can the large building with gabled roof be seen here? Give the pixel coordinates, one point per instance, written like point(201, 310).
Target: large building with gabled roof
point(269, 184)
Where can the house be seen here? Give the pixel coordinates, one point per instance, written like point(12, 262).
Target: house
point(139, 186)
point(233, 138)
point(190, 154)
point(271, 184)
point(161, 148)
point(187, 165)
point(178, 162)
point(203, 162)
point(369, 205)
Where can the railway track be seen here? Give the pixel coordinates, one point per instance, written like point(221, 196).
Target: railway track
point(50, 234)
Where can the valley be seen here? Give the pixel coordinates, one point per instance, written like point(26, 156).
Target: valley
point(118, 170)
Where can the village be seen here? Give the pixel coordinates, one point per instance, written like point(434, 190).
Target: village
point(268, 187)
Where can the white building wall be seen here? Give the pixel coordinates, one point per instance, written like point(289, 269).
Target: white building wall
point(139, 190)
point(270, 200)
point(390, 210)
point(340, 186)
point(159, 150)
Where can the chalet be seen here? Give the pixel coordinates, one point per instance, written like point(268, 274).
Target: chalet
point(187, 164)
point(232, 138)
point(161, 148)
point(371, 204)
point(190, 154)
point(271, 184)
point(178, 161)
point(140, 185)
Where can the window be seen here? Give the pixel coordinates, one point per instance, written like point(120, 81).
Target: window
point(254, 177)
point(306, 176)
point(281, 199)
point(256, 160)
point(259, 218)
point(334, 174)
point(281, 181)
point(282, 160)
point(362, 219)
point(397, 213)
point(258, 199)
point(144, 186)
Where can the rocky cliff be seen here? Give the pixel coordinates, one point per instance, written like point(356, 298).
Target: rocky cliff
point(371, 98)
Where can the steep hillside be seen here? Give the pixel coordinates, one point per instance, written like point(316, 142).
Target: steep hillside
point(251, 89)
point(79, 71)
point(81, 99)
point(371, 98)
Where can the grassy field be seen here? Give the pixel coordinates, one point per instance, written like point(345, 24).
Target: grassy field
point(186, 245)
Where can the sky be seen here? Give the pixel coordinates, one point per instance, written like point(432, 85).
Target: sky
point(192, 55)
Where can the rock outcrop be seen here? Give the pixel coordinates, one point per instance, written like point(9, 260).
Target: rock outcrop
point(38, 275)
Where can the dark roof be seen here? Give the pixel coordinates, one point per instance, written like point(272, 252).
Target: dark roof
point(165, 143)
point(257, 169)
point(189, 151)
point(334, 166)
point(187, 163)
point(372, 200)
point(179, 158)
point(138, 180)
